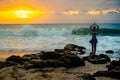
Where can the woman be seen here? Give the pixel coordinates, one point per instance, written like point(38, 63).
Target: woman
point(94, 28)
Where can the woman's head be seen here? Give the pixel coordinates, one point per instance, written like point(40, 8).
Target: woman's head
point(94, 28)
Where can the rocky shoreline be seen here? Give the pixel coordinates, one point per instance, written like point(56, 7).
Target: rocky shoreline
point(60, 64)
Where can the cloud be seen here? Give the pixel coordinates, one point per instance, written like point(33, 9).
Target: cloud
point(72, 12)
point(91, 12)
point(103, 12)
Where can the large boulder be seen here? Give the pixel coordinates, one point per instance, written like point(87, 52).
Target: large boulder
point(15, 59)
point(49, 55)
point(70, 61)
point(73, 47)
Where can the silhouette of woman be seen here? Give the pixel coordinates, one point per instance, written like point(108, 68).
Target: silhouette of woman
point(94, 28)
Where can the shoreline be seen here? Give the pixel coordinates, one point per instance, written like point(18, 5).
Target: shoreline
point(59, 64)
point(4, 55)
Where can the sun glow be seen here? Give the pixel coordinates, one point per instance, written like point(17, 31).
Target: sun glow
point(28, 14)
point(23, 13)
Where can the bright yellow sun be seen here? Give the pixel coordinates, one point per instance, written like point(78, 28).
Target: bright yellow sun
point(23, 13)
point(28, 13)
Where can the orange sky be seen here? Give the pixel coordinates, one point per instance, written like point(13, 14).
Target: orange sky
point(56, 11)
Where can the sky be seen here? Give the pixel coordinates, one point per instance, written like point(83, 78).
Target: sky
point(59, 11)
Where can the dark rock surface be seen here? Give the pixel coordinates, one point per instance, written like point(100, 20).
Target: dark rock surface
point(15, 59)
point(71, 61)
point(113, 74)
point(110, 51)
point(88, 77)
point(113, 70)
point(2, 64)
point(97, 59)
point(73, 47)
point(50, 55)
point(56, 58)
point(59, 50)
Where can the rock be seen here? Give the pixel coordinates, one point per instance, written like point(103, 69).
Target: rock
point(113, 74)
point(113, 70)
point(97, 59)
point(43, 64)
point(28, 66)
point(105, 56)
point(11, 63)
point(114, 65)
point(67, 53)
point(88, 77)
point(85, 58)
point(49, 55)
point(59, 50)
point(37, 64)
point(52, 63)
point(2, 64)
point(110, 51)
point(15, 59)
point(70, 61)
point(73, 47)
point(28, 57)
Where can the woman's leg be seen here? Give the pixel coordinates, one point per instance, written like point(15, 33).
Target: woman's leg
point(94, 49)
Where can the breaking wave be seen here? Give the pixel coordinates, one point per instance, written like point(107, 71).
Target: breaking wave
point(30, 32)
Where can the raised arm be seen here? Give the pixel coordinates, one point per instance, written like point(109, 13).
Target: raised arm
point(97, 28)
point(91, 27)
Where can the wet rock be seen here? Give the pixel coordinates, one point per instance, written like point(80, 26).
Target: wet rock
point(113, 74)
point(73, 47)
point(113, 70)
point(49, 55)
point(2, 64)
point(59, 50)
point(28, 66)
point(51, 63)
point(88, 77)
point(43, 64)
point(37, 64)
point(28, 57)
point(15, 59)
point(97, 59)
point(71, 61)
point(110, 51)
point(67, 53)
point(106, 57)
point(11, 63)
point(114, 65)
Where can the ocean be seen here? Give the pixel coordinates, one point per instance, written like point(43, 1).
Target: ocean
point(38, 37)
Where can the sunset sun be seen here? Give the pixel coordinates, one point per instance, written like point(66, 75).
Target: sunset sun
point(23, 13)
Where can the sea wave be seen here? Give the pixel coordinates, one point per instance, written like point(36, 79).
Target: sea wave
point(102, 32)
point(30, 32)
